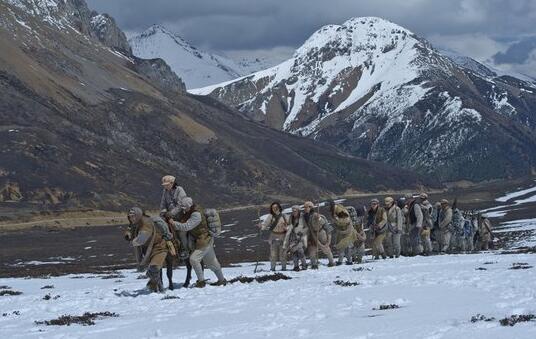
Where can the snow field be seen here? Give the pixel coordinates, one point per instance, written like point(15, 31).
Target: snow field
point(437, 297)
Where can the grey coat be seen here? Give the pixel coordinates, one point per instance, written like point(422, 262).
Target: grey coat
point(427, 211)
point(445, 219)
point(170, 201)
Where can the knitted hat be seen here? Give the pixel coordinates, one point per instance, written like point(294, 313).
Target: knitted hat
point(168, 180)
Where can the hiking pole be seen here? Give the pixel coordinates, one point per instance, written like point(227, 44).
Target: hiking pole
point(259, 236)
point(316, 238)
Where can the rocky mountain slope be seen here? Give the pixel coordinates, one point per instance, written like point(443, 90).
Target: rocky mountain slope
point(196, 67)
point(378, 91)
point(87, 124)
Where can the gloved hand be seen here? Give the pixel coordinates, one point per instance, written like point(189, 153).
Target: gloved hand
point(128, 236)
point(168, 215)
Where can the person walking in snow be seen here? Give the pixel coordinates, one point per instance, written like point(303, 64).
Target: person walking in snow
point(319, 235)
point(149, 244)
point(377, 222)
point(405, 240)
point(345, 234)
point(468, 233)
point(361, 235)
point(395, 222)
point(427, 223)
point(296, 238)
point(435, 235)
point(445, 226)
point(194, 221)
point(458, 221)
point(172, 194)
point(277, 223)
point(485, 233)
point(415, 224)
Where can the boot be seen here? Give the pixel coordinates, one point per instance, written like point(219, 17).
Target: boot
point(331, 264)
point(304, 267)
point(171, 285)
point(160, 286)
point(314, 267)
point(384, 256)
point(200, 284)
point(296, 269)
point(155, 282)
point(220, 283)
point(349, 262)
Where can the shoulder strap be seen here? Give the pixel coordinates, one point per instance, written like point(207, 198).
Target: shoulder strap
point(275, 221)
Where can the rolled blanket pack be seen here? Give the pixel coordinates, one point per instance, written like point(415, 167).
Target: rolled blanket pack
point(213, 221)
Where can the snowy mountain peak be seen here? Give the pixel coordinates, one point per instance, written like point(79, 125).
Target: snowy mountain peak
point(367, 32)
point(377, 89)
point(196, 68)
point(331, 71)
point(159, 29)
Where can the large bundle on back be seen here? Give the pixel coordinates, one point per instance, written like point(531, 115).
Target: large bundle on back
point(213, 221)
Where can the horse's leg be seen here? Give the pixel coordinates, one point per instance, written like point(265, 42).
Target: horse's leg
point(188, 273)
point(169, 270)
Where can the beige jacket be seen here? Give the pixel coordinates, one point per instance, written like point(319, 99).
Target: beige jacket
point(395, 219)
point(296, 236)
point(280, 230)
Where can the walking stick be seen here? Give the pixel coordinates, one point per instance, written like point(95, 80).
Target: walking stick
point(316, 239)
point(259, 236)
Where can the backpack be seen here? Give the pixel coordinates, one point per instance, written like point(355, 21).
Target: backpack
point(353, 215)
point(162, 227)
point(213, 222)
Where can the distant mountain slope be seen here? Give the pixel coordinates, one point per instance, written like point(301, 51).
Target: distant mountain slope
point(87, 124)
point(377, 90)
point(196, 67)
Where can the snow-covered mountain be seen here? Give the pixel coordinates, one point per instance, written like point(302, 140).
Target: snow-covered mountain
point(485, 69)
point(196, 67)
point(377, 90)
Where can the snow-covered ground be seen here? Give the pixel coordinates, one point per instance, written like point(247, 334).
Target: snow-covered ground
point(437, 297)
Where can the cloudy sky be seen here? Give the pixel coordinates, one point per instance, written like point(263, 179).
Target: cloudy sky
point(502, 32)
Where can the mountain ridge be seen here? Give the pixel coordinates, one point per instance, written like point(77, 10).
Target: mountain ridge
point(380, 92)
point(195, 66)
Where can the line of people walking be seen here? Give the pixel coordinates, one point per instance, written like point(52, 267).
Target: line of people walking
point(407, 226)
point(184, 232)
